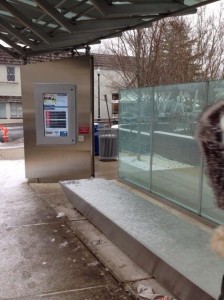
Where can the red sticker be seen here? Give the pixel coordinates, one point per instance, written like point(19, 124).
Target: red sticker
point(84, 130)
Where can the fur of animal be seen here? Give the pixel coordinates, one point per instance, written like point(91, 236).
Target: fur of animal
point(210, 136)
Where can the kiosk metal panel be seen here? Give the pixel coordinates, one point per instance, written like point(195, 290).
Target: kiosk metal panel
point(58, 139)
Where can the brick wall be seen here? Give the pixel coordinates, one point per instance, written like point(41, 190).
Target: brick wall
point(104, 61)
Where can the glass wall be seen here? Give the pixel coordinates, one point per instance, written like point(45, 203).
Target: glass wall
point(176, 158)
point(135, 125)
point(157, 149)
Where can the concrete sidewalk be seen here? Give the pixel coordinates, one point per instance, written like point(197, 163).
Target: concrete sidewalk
point(40, 256)
point(50, 251)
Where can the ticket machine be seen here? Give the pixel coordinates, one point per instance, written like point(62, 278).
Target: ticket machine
point(57, 98)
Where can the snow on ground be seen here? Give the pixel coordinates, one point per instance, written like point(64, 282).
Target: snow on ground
point(159, 162)
point(12, 173)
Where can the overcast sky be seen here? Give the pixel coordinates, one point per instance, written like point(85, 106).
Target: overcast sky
point(214, 6)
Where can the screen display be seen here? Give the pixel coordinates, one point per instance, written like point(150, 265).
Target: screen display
point(55, 109)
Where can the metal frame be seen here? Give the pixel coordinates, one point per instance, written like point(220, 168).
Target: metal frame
point(33, 27)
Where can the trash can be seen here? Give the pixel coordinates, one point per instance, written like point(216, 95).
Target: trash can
point(108, 144)
point(96, 138)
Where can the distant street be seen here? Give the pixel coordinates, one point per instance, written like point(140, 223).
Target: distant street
point(15, 133)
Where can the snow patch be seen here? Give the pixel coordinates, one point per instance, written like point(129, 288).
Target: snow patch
point(60, 214)
point(159, 162)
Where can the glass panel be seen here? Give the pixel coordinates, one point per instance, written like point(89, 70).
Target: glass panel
point(2, 110)
point(135, 119)
point(176, 156)
point(209, 207)
point(174, 167)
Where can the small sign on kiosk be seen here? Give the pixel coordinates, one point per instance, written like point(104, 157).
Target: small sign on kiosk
point(55, 114)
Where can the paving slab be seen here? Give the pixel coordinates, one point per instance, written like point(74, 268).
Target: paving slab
point(53, 195)
point(119, 264)
point(44, 259)
point(20, 205)
point(109, 292)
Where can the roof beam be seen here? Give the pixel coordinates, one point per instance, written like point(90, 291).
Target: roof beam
point(143, 9)
point(105, 24)
point(71, 39)
point(137, 9)
point(7, 50)
point(74, 39)
point(8, 41)
point(73, 19)
point(81, 45)
point(54, 13)
point(25, 21)
point(16, 33)
point(101, 6)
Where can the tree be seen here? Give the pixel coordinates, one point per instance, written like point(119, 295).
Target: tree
point(158, 55)
point(173, 50)
point(177, 61)
point(208, 32)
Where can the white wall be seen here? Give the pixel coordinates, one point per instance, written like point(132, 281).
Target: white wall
point(10, 88)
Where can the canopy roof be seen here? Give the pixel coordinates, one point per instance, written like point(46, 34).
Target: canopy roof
point(33, 27)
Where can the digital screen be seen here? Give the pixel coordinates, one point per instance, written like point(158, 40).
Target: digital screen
point(55, 109)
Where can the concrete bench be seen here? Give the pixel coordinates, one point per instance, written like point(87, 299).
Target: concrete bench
point(172, 247)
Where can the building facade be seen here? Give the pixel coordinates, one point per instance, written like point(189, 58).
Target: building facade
point(10, 86)
point(10, 90)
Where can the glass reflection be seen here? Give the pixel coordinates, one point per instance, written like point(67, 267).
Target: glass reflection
point(157, 149)
point(135, 119)
point(176, 157)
